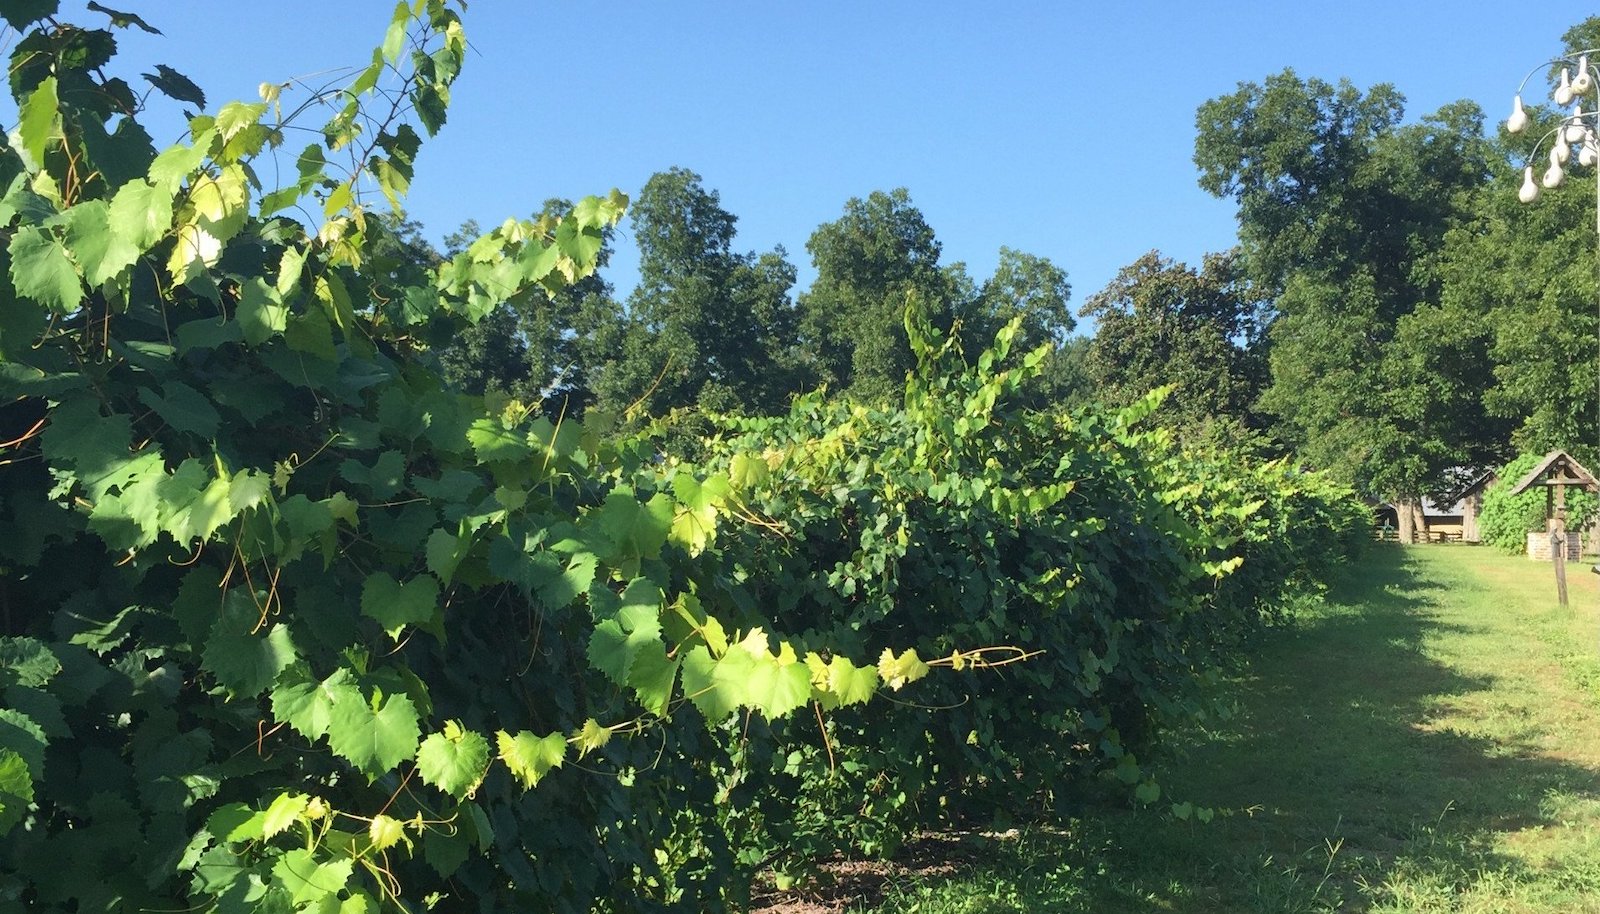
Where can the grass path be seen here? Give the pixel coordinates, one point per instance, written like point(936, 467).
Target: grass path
point(1427, 740)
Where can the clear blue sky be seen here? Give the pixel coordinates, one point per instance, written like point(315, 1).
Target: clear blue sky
point(1064, 129)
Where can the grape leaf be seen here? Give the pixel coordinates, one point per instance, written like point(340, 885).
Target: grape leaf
point(374, 736)
point(176, 86)
point(42, 270)
point(395, 605)
point(840, 682)
point(246, 660)
point(383, 479)
point(19, 14)
point(712, 684)
point(897, 671)
point(26, 661)
point(307, 705)
point(444, 551)
point(16, 789)
point(494, 443)
point(385, 832)
point(183, 408)
point(307, 880)
point(531, 757)
point(282, 813)
point(122, 20)
point(261, 313)
point(38, 121)
point(652, 676)
point(394, 37)
point(19, 734)
point(140, 213)
point(774, 686)
point(453, 760)
point(101, 252)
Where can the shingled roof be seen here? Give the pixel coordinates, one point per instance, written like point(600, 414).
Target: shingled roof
point(1564, 471)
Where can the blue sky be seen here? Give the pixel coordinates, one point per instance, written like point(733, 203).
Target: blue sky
point(1062, 129)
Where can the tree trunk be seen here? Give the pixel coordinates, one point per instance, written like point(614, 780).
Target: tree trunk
point(1420, 524)
point(1405, 521)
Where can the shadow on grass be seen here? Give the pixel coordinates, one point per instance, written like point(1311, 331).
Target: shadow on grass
point(1336, 785)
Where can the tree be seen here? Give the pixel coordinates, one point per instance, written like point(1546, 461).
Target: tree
point(532, 346)
point(1523, 277)
point(1161, 322)
point(706, 326)
point(1342, 213)
point(870, 262)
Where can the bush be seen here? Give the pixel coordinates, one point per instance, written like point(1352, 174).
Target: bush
point(1130, 572)
point(1506, 519)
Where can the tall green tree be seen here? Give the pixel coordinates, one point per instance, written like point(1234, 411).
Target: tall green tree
point(707, 325)
point(1163, 323)
point(870, 262)
point(1521, 279)
point(1342, 214)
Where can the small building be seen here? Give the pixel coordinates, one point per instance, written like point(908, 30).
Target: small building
point(1469, 504)
point(1557, 472)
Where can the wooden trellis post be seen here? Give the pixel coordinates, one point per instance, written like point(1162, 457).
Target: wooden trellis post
point(1555, 472)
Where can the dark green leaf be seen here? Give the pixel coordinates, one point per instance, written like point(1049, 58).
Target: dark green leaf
point(22, 13)
point(395, 605)
point(176, 86)
point(122, 20)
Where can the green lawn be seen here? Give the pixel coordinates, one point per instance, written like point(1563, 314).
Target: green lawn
point(1428, 739)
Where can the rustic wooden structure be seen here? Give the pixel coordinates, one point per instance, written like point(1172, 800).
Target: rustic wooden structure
point(1469, 502)
point(1555, 472)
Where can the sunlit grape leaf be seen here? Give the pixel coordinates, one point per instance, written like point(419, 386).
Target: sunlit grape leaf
point(652, 675)
point(100, 251)
point(38, 121)
point(840, 682)
point(16, 789)
point(530, 757)
point(775, 687)
point(453, 760)
point(307, 705)
point(307, 880)
point(385, 832)
point(898, 671)
point(716, 685)
point(42, 270)
point(590, 737)
point(374, 736)
point(282, 813)
point(494, 443)
point(394, 38)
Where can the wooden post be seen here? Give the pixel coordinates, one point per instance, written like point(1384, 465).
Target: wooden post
point(1558, 540)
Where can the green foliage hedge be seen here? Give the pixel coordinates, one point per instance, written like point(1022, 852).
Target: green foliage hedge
point(1127, 570)
point(289, 625)
point(1505, 519)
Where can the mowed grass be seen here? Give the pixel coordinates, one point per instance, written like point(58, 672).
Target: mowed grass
point(1426, 739)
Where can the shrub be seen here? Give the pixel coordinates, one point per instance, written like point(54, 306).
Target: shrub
point(1505, 519)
